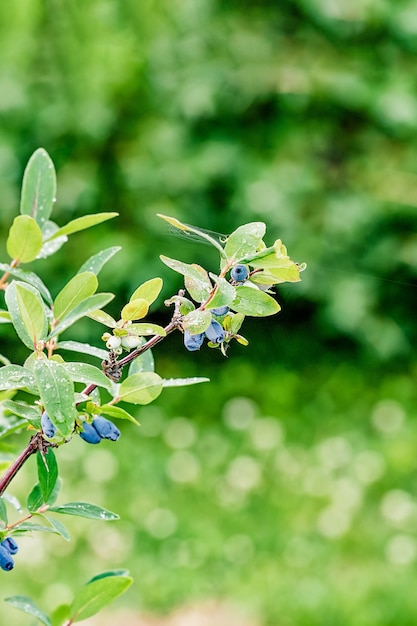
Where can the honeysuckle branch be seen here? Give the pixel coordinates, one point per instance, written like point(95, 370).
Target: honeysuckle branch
point(37, 442)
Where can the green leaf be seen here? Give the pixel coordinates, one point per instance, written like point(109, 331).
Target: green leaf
point(197, 321)
point(3, 510)
point(17, 377)
point(27, 312)
point(245, 240)
point(183, 382)
point(60, 615)
point(38, 187)
point(148, 291)
point(198, 289)
point(50, 246)
point(85, 509)
point(186, 228)
point(80, 287)
point(5, 317)
point(236, 322)
point(56, 390)
point(34, 499)
point(254, 302)
point(107, 573)
point(27, 527)
point(117, 412)
point(103, 318)
point(47, 472)
point(59, 527)
point(28, 277)
point(83, 348)
point(27, 605)
point(147, 329)
point(224, 294)
point(23, 410)
point(140, 388)
point(143, 363)
point(82, 223)
point(135, 310)
point(86, 373)
point(25, 239)
point(10, 425)
point(82, 309)
point(96, 262)
point(199, 279)
point(96, 595)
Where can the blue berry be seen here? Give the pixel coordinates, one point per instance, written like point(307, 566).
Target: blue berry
point(6, 561)
point(89, 434)
point(47, 427)
point(10, 545)
point(193, 342)
point(215, 332)
point(220, 311)
point(105, 428)
point(239, 273)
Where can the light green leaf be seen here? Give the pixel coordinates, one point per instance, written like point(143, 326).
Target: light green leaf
point(82, 309)
point(200, 279)
point(59, 527)
point(148, 291)
point(56, 390)
point(83, 348)
point(38, 187)
point(96, 262)
point(17, 377)
point(224, 294)
point(3, 510)
point(80, 287)
point(47, 472)
point(27, 605)
point(140, 388)
point(50, 246)
point(103, 318)
point(85, 509)
point(27, 312)
point(28, 277)
point(10, 425)
point(117, 412)
point(254, 302)
point(96, 595)
point(86, 373)
point(82, 223)
point(183, 382)
point(198, 289)
point(135, 310)
point(5, 317)
point(197, 321)
point(245, 240)
point(25, 239)
point(143, 363)
point(22, 409)
point(147, 329)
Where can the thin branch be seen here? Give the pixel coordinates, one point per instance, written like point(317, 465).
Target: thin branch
point(33, 446)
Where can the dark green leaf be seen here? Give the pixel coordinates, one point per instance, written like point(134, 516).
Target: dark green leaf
point(27, 605)
point(85, 509)
point(107, 573)
point(96, 595)
point(47, 472)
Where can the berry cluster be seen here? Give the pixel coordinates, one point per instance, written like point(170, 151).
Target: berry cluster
point(8, 547)
point(100, 428)
point(214, 333)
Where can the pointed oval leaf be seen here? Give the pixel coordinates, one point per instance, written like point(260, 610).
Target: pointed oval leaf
point(50, 247)
point(143, 363)
point(80, 287)
point(145, 329)
point(190, 271)
point(141, 388)
point(28, 277)
point(17, 377)
point(96, 595)
point(21, 409)
point(135, 310)
point(103, 318)
point(47, 472)
point(85, 509)
point(38, 187)
point(27, 605)
point(34, 499)
point(254, 302)
point(82, 309)
point(3, 510)
point(224, 294)
point(107, 573)
point(96, 262)
point(59, 527)
point(197, 321)
point(83, 348)
point(183, 382)
point(245, 240)
point(28, 313)
point(25, 239)
point(86, 373)
point(117, 412)
point(11, 425)
point(82, 223)
point(148, 291)
point(198, 289)
point(56, 390)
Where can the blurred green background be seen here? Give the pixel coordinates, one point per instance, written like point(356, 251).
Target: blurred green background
point(286, 485)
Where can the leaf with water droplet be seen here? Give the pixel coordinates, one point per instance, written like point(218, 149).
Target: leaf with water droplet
point(38, 187)
point(80, 287)
point(28, 313)
point(254, 302)
point(27, 605)
point(85, 509)
point(245, 240)
point(56, 390)
point(17, 377)
point(197, 321)
point(141, 388)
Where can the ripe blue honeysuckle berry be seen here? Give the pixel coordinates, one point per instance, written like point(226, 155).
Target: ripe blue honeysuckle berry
point(89, 434)
point(105, 428)
point(10, 544)
point(239, 272)
point(220, 311)
point(6, 560)
point(48, 428)
point(215, 332)
point(193, 342)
